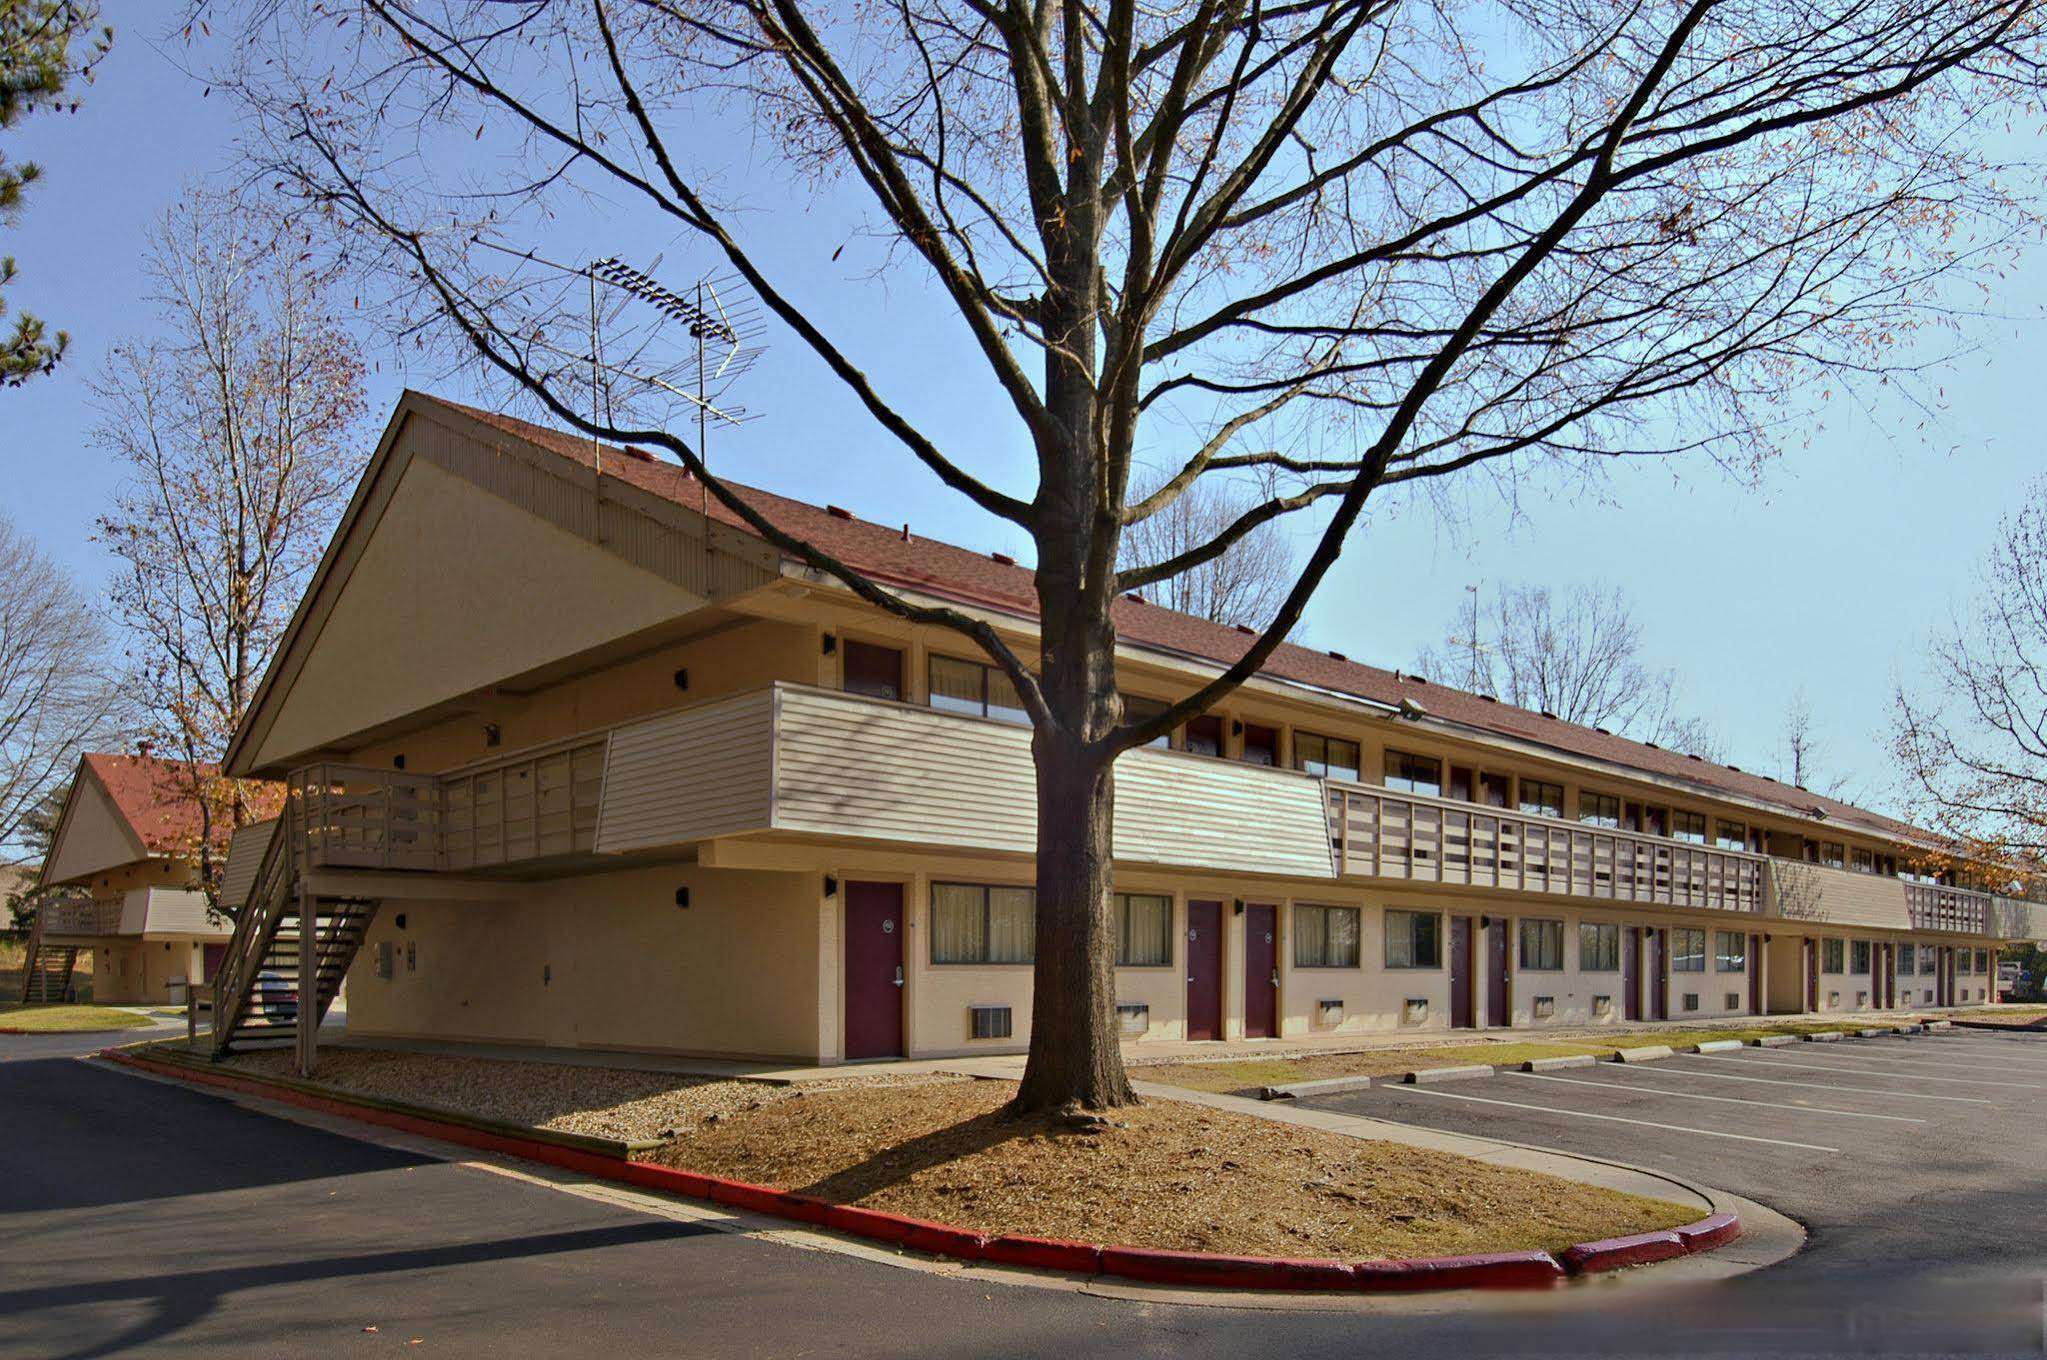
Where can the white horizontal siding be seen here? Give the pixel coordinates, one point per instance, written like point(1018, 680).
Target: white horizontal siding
point(244, 857)
point(1810, 892)
point(688, 776)
point(179, 911)
point(848, 766)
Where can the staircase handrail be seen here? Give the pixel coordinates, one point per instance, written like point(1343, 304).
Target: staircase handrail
point(257, 922)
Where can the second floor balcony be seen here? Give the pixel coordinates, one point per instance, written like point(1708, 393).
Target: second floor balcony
point(793, 763)
point(137, 912)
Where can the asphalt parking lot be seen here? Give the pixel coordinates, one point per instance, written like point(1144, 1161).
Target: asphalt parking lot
point(1879, 1145)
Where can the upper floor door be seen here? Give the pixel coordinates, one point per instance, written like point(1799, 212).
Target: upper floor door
point(873, 670)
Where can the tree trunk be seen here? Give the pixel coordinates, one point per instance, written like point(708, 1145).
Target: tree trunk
point(1075, 1057)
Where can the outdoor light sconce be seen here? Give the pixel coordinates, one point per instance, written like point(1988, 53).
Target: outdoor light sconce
point(399, 920)
point(682, 678)
point(1236, 727)
point(831, 886)
point(682, 897)
point(831, 644)
point(1239, 909)
point(492, 734)
point(398, 762)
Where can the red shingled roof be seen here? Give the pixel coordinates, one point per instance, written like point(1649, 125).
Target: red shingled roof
point(883, 551)
point(154, 796)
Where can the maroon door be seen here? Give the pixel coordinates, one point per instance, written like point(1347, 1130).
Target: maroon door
point(210, 961)
point(1261, 972)
point(1947, 975)
point(1631, 973)
point(1812, 975)
point(1460, 972)
point(874, 970)
point(873, 670)
point(1204, 970)
point(1659, 974)
point(1887, 978)
point(1755, 975)
point(1496, 1012)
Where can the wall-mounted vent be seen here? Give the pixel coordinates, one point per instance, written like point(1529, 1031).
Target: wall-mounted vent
point(1691, 1001)
point(988, 1022)
point(1833, 1001)
point(1861, 1000)
point(1732, 1001)
point(1329, 1012)
point(1416, 1011)
point(1133, 1020)
point(1545, 1007)
point(1602, 1006)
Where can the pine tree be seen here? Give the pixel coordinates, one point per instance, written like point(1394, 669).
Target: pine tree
point(45, 45)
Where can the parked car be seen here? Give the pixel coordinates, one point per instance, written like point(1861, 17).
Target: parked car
point(278, 995)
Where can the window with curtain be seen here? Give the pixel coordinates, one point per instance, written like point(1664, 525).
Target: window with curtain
point(979, 923)
point(1687, 951)
point(1144, 930)
point(1599, 947)
point(1542, 946)
point(1862, 861)
point(1832, 854)
point(1414, 774)
point(1907, 959)
point(1330, 757)
point(1927, 958)
point(1326, 937)
point(1731, 836)
point(1730, 953)
point(1859, 957)
point(1688, 826)
point(1833, 956)
point(1414, 939)
point(975, 688)
point(1599, 809)
point(1539, 798)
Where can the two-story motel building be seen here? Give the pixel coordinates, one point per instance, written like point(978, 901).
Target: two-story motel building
point(576, 760)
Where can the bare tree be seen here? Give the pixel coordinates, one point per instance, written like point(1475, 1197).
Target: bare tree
point(61, 691)
point(237, 428)
point(1972, 741)
point(1574, 654)
point(1351, 245)
point(1243, 585)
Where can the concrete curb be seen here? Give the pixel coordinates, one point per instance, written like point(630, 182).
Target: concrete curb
point(1823, 1036)
point(1558, 1064)
point(1775, 1041)
point(1427, 1075)
point(1504, 1270)
point(1327, 1086)
point(1654, 1053)
point(1717, 1046)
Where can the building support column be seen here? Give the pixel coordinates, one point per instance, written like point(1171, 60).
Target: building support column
point(308, 1017)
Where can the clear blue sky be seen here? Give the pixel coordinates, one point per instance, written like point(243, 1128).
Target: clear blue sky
point(1825, 577)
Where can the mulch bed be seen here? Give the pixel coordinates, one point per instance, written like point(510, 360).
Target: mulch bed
point(1162, 1174)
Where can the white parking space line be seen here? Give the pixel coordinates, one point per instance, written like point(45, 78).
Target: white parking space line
point(1810, 1085)
point(1607, 1118)
point(1758, 1060)
point(1724, 1100)
point(1876, 1060)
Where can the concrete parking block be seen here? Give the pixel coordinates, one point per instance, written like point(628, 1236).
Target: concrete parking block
point(1429, 1075)
point(1774, 1040)
point(1940, 1024)
point(1824, 1037)
point(1717, 1046)
point(1554, 1064)
point(1871, 1033)
point(1637, 1055)
point(1328, 1086)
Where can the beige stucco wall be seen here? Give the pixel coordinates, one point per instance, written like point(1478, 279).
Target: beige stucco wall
point(456, 590)
point(606, 961)
point(140, 973)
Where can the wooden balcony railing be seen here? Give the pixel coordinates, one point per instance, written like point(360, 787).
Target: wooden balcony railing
point(82, 918)
point(529, 805)
point(1380, 834)
point(1935, 906)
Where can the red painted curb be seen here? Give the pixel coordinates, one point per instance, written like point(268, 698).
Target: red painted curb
point(1495, 1270)
point(1230, 1272)
point(1500, 1270)
point(1708, 1233)
point(1044, 1253)
point(1616, 1252)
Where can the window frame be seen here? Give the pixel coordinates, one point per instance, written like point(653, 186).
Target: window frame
point(1723, 841)
point(1546, 932)
point(1326, 910)
point(1523, 804)
point(988, 891)
point(1721, 955)
point(1602, 931)
point(1120, 911)
point(1861, 954)
point(1682, 959)
point(1407, 783)
point(1302, 761)
point(1596, 815)
point(1681, 823)
point(1411, 915)
point(989, 675)
point(1834, 949)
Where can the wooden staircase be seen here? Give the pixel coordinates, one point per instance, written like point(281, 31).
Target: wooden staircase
point(47, 969)
point(274, 963)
